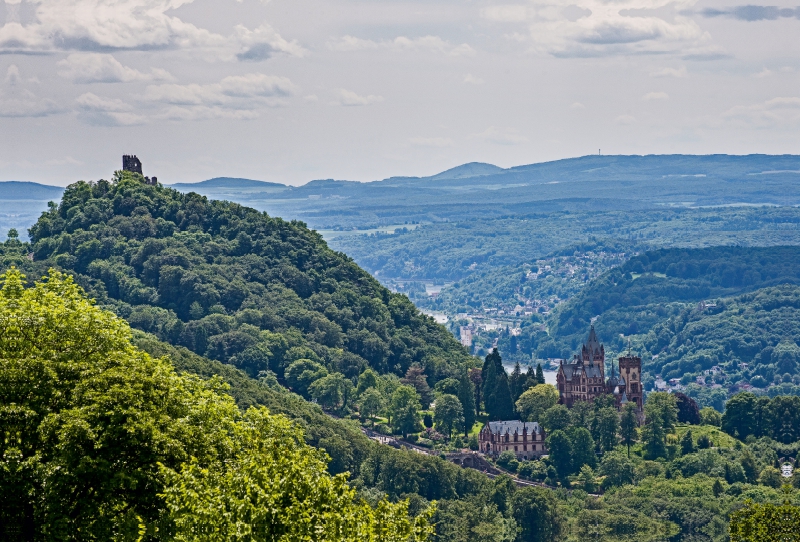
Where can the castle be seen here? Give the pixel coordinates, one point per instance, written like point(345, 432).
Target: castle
point(583, 378)
point(525, 439)
point(131, 163)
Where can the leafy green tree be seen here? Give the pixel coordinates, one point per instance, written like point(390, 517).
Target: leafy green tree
point(587, 479)
point(366, 380)
point(661, 414)
point(532, 404)
point(606, 426)
point(559, 448)
point(301, 373)
point(628, 426)
point(750, 467)
point(582, 445)
point(448, 414)
point(447, 385)
point(740, 417)
point(332, 391)
point(582, 414)
point(538, 515)
point(415, 377)
point(771, 477)
point(370, 403)
point(405, 407)
point(617, 469)
point(687, 443)
point(104, 442)
point(765, 522)
point(508, 460)
point(710, 416)
point(556, 417)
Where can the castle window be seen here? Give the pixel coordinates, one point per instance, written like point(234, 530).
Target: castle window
point(525, 448)
point(515, 448)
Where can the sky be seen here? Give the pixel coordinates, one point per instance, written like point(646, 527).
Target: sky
point(294, 90)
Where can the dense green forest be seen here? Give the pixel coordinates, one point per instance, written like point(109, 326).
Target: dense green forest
point(632, 298)
point(234, 284)
point(453, 250)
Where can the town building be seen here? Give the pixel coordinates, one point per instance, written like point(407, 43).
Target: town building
point(583, 379)
point(525, 439)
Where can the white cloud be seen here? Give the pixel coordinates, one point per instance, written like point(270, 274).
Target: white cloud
point(18, 101)
point(782, 111)
point(587, 28)
point(402, 43)
point(508, 136)
point(472, 80)
point(100, 111)
point(651, 96)
point(237, 92)
point(104, 68)
point(100, 26)
point(506, 14)
point(437, 142)
point(577, 105)
point(670, 72)
point(350, 98)
point(763, 73)
point(625, 120)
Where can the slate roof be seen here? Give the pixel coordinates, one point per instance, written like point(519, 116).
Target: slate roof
point(501, 428)
point(570, 369)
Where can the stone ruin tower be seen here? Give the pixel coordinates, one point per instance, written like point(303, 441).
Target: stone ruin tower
point(131, 163)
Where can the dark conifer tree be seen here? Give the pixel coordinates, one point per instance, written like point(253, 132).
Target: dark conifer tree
point(516, 382)
point(504, 406)
point(489, 374)
point(466, 394)
point(539, 374)
point(476, 377)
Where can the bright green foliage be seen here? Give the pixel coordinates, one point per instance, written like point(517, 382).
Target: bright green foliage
point(587, 480)
point(405, 407)
point(367, 379)
point(766, 523)
point(102, 441)
point(370, 403)
point(710, 416)
point(448, 414)
point(534, 402)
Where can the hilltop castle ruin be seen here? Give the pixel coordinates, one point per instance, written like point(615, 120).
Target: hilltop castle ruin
point(131, 163)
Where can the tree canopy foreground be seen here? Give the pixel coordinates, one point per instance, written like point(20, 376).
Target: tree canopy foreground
point(101, 441)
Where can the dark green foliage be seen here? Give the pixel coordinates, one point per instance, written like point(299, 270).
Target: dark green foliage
point(559, 447)
point(234, 284)
point(628, 426)
point(496, 390)
point(466, 394)
point(539, 374)
point(538, 515)
point(687, 443)
point(778, 418)
point(650, 280)
point(582, 445)
point(688, 411)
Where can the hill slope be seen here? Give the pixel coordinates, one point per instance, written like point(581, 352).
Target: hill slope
point(234, 284)
point(649, 288)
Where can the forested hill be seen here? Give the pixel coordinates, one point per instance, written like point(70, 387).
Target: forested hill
point(648, 288)
point(234, 284)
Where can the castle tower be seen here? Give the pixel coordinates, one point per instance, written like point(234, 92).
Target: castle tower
point(630, 368)
point(131, 163)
